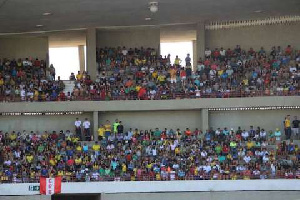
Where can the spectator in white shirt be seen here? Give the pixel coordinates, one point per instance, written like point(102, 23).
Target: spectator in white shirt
point(78, 128)
point(263, 135)
point(207, 53)
point(247, 159)
point(222, 53)
point(23, 94)
point(110, 146)
point(245, 135)
point(86, 125)
point(124, 51)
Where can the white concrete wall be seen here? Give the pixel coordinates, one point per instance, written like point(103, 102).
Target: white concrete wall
point(67, 38)
point(41, 122)
point(159, 186)
point(184, 104)
point(237, 195)
point(255, 36)
point(24, 47)
point(178, 33)
point(269, 119)
point(151, 119)
point(129, 37)
point(33, 197)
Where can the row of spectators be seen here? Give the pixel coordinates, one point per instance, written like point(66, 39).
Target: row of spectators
point(148, 155)
point(141, 74)
point(28, 80)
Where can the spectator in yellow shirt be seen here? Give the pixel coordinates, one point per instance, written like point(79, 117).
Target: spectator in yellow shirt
point(107, 128)
point(287, 127)
point(29, 158)
point(161, 78)
point(79, 76)
point(96, 148)
point(13, 136)
point(101, 131)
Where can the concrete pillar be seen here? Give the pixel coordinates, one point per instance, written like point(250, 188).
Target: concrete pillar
point(91, 52)
point(81, 58)
point(195, 57)
point(204, 120)
point(200, 40)
point(95, 125)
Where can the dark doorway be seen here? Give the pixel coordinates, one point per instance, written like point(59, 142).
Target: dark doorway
point(76, 197)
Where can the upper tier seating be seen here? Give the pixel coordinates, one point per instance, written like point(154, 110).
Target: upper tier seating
point(141, 74)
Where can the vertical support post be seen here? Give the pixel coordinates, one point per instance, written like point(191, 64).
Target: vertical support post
point(81, 58)
point(91, 53)
point(200, 40)
point(195, 56)
point(204, 119)
point(95, 124)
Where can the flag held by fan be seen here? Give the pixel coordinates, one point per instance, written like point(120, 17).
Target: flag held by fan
point(49, 186)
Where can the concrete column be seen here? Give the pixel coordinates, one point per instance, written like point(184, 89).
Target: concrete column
point(204, 120)
point(91, 52)
point(195, 57)
point(200, 40)
point(95, 124)
point(81, 58)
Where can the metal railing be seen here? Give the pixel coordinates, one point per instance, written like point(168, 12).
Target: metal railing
point(158, 96)
point(85, 177)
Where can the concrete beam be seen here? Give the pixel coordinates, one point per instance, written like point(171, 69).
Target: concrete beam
point(184, 104)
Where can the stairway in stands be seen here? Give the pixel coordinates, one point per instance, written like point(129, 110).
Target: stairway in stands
point(69, 86)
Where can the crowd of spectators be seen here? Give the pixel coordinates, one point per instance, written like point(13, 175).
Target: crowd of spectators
point(142, 74)
point(28, 80)
point(167, 154)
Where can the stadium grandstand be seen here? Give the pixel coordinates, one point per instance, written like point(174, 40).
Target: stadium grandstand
point(107, 100)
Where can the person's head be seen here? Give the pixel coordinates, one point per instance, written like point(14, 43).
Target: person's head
point(86, 119)
point(295, 117)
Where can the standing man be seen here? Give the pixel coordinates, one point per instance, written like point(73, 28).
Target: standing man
point(78, 128)
point(287, 127)
point(115, 126)
point(87, 132)
point(120, 128)
point(295, 129)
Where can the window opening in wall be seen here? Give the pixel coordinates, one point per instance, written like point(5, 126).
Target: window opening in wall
point(177, 48)
point(65, 61)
